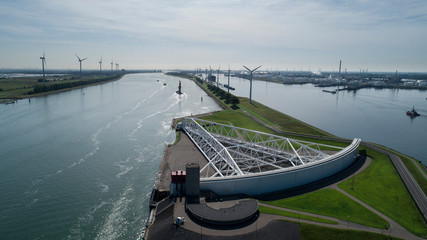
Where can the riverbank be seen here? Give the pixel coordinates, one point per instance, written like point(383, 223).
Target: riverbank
point(12, 89)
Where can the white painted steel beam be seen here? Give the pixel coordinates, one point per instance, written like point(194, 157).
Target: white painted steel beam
point(233, 151)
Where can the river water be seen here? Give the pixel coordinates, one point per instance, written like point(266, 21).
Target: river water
point(374, 115)
point(81, 164)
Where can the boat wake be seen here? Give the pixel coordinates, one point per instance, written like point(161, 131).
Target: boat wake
point(139, 123)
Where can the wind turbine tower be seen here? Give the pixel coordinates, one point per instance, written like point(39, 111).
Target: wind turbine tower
point(100, 64)
point(217, 76)
point(250, 88)
point(111, 65)
point(228, 88)
point(80, 60)
point(43, 64)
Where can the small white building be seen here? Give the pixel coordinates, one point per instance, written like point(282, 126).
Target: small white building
point(379, 83)
point(421, 83)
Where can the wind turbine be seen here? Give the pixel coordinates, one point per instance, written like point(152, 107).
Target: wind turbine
point(43, 64)
point(111, 65)
point(250, 89)
point(210, 75)
point(100, 64)
point(80, 60)
point(228, 89)
point(217, 76)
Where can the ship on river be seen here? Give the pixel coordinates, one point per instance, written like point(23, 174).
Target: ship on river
point(413, 113)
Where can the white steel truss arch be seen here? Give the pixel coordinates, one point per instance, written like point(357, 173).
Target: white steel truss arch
point(233, 151)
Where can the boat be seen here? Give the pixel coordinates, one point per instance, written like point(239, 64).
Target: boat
point(164, 84)
point(179, 88)
point(229, 87)
point(412, 113)
point(333, 92)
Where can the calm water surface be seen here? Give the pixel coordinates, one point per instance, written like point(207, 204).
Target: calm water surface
point(81, 164)
point(375, 115)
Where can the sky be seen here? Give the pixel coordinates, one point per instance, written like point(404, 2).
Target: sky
point(373, 35)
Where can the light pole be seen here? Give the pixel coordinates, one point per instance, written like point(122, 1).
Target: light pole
point(250, 88)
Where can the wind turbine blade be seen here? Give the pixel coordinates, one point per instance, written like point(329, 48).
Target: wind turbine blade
point(257, 68)
point(77, 57)
point(83, 59)
point(247, 68)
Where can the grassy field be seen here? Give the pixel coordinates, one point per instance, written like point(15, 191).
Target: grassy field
point(236, 119)
point(274, 211)
point(14, 87)
point(381, 187)
point(283, 121)
point(330, 202)
point(18, 88)
point(313, 232)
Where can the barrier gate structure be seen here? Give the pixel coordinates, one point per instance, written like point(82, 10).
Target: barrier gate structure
point(251, 162)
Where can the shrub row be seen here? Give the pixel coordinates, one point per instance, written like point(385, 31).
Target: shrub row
point(223, 95)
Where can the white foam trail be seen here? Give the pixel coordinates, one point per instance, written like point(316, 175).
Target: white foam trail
point(125, 169)
point(76, 230)
point(96, 142)
point(139, 123)
point(115, 223)
point(31, 203)
point(103, 188)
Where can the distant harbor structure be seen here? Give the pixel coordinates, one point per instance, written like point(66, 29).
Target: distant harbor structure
point(179, 88)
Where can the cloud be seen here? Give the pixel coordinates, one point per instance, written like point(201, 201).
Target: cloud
point(307, 26)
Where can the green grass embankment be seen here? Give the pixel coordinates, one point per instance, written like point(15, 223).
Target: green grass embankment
point(236, 119)
point(380, 187)
point(410, 165)
point(282, 121)
point(330, 202)
point(313, 232)
point(268, 210)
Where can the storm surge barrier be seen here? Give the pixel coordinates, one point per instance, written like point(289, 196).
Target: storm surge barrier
point(251, 162)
